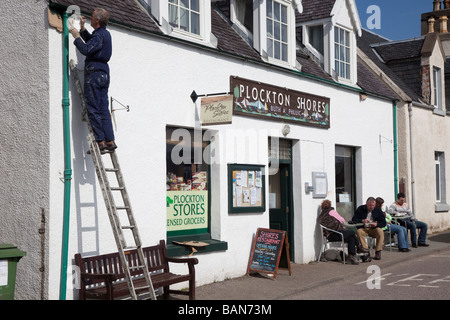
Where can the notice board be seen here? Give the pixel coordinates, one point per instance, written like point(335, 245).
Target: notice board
point(269, 246)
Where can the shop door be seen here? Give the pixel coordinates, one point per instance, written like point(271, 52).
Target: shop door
point(280, 211)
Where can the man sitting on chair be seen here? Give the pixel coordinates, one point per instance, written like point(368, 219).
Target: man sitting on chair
point(374, 222)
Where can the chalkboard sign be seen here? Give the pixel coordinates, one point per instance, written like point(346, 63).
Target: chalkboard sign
point(268, 247)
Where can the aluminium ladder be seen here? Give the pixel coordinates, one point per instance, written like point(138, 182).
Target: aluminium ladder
point(113, 210)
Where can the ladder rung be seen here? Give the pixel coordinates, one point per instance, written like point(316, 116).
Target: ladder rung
point(128, 227)
point(117, 188)
point(140, 288)
point(129, 248)
point(123, 208)
point(136, 267)
point(111, 169)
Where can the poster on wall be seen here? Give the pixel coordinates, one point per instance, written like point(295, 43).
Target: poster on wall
point(246, 191)
point(256, 99)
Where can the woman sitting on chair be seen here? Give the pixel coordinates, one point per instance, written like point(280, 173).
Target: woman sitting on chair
point(331, 219)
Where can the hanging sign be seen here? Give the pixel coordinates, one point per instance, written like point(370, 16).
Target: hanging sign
point(264, 101)
point(216, 110)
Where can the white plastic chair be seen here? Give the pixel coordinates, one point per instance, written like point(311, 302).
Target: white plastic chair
point(325, 242)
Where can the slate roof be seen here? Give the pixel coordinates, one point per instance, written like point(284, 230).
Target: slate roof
point(131, 14)
point(405, 73)
point(125, 12)
point(314, 10)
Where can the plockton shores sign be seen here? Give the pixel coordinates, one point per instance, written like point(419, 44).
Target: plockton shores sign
point(255, 99)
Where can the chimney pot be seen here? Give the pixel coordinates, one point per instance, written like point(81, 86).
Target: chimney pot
point(443, 24)
point(431, 25)
point(436, 5)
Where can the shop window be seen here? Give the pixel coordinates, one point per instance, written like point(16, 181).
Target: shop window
point(187, 184)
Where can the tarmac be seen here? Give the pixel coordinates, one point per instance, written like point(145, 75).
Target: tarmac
point(312, 275)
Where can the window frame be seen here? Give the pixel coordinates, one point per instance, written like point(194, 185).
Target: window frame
point(347, 52)
point(189, 10)
point(273, 38)
point(437, 87)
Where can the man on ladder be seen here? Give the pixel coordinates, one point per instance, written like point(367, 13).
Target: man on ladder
point(97, 48)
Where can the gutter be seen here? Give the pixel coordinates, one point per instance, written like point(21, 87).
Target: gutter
point(411, 144)
point(67, 159)
point(394, 120)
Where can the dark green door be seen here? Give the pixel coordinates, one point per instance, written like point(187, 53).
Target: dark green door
point(280, 211)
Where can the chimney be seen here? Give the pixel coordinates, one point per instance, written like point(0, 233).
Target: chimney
point(443, 24)
point(431, 25)
point(436, 5)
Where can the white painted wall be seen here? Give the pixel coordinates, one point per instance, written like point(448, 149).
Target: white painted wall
point(155, 78)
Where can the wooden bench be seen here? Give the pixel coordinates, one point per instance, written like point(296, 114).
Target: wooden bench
point(102, 276)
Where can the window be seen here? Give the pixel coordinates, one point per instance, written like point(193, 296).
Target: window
point(185, 15)
point(342, 53)
point(244, 13)
point(439, 164)
point(437, 87)
point(315, 36)
point(345, 181)
point(187, 197)
point(277, 30)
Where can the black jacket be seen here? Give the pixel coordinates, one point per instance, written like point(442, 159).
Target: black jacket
point(377, 215)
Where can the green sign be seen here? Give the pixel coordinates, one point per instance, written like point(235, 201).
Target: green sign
point(186, 210)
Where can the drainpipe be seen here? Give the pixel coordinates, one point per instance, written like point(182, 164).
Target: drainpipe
point(67, 160)
point(411, 156)
point(394, 117)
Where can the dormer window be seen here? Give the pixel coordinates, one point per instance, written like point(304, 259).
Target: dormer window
point(185, 15)
point(437, 87)
point(277, 30)
point(342, 53)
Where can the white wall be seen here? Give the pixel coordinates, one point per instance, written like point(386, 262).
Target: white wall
point(155, 78)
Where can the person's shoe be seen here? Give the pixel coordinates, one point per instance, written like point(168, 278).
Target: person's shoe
point(423, 245)
point(361, 249)
point(414, 245)
point(110, 146)
point(377, 255)
point(353, 259)
point(101, 145)
point(366, 258)
point(403, 250)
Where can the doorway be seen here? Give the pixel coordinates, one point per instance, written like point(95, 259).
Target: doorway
point(280, 190)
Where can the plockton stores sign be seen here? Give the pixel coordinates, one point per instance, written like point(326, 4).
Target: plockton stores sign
point(255, 99)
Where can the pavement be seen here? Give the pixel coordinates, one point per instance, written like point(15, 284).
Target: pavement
point(308, 276)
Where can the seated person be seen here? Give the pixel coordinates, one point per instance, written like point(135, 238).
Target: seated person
point(401, 208)
point(331, 219)
point(374, 222)
point(402, 233)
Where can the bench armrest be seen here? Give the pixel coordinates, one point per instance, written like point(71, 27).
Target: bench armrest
point(183, 260)
point(190, 261)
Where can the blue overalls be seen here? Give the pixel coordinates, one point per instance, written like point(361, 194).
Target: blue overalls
point(97, 48)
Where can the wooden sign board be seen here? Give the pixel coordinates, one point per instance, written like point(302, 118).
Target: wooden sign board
point(269, 246)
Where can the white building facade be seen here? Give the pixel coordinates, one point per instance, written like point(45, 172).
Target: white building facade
point(342, 131)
